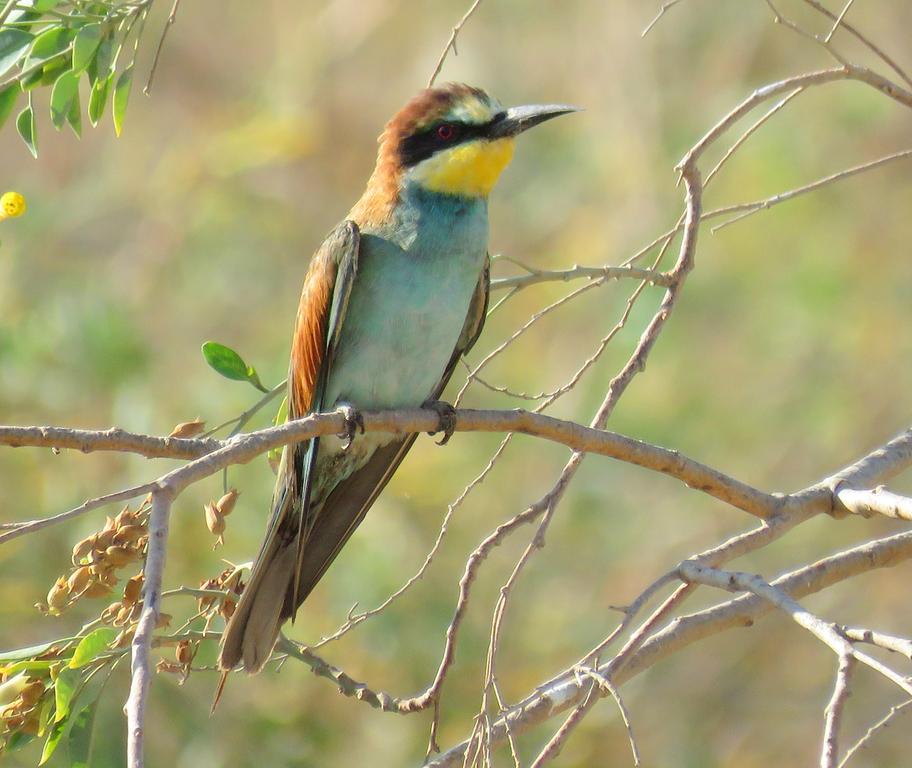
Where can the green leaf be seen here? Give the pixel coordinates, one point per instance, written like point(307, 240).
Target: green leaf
point(91, 645)
point(66, 89)
point(44, 5)
point(52, 70)
point(98, 99)
point(13, 44)
point(27, 665)
point(65, 686)
point(25, 124)
point(121, 97)
point(85, 46)
point(8, 98)
point(230, 364)
point(86, 695)
point(31, 80)
point(19, 654)
point(49, 44)
point(79, 744)
point(74, 116)
point(254, 378)
point(102, 66)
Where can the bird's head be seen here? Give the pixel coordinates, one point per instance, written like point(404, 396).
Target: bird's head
point(454, 139)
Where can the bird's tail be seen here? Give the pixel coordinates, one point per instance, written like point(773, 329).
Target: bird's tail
point(252, 631)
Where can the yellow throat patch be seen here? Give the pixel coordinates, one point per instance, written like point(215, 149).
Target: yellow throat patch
point(470, 169)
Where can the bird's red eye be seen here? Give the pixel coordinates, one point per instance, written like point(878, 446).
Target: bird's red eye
point(445, 132)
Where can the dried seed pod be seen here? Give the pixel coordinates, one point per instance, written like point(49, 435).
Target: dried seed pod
point(227, 608)
point(119, 556)
point(58, 596)
point(104, 540)
point(168, 666)
point(164, 619)
point(125, 517)
point(128, 534)
point(124, 638)
point(205, 602)
point(79, 579)
point(215, 522)
point(133, 589)
point(31, 693)
point(188, 428)
point(110, 524)
point(109, 577)
point(82, 549)
point(10, 689)
point(123, 616)
point(110, 613)
point(225, 504)
point(14, 722)
point(184, 652)
point(32, 725)
point(97, 589)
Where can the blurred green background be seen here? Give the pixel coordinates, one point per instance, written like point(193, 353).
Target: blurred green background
point(788, 356)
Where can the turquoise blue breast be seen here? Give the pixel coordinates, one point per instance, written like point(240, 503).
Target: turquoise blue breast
point(416, 276)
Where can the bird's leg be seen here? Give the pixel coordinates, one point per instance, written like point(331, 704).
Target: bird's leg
point(446, 413)
point(353, 421)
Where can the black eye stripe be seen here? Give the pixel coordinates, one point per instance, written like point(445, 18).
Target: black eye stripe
point(422, 145)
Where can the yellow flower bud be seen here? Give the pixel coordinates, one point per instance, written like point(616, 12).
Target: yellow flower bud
point(12, 204)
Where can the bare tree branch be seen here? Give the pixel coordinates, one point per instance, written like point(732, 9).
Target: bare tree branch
point(564, 691)
point(140, 666)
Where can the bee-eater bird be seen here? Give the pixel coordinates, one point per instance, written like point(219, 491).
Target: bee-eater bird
point(394, 296)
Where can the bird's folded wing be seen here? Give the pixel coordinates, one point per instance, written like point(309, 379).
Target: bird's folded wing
point(347, 504)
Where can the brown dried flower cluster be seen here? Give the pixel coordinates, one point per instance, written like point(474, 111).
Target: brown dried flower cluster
point(98, 558)
point(20, 697)
point(23, 698)
point(225, 590)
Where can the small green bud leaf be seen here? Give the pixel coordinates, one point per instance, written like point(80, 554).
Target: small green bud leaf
point(230, 364)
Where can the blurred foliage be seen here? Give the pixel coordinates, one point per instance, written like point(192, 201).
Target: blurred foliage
point(788, 355)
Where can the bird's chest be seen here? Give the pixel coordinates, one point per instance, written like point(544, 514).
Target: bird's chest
point(407, 308)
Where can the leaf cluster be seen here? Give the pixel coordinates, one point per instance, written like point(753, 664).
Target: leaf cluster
point(55, 45)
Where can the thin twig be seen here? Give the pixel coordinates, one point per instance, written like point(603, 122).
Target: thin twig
point(829, 753)
point(451, 43)
point(172, 17)
point(838, 21)
point(884, 722)
point(748, 209)
point(662, 11)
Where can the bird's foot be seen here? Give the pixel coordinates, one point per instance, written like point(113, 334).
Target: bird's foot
point(353, 421)
point(446, 414)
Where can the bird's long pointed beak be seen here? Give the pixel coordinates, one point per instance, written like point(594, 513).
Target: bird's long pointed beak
point(518, 119)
